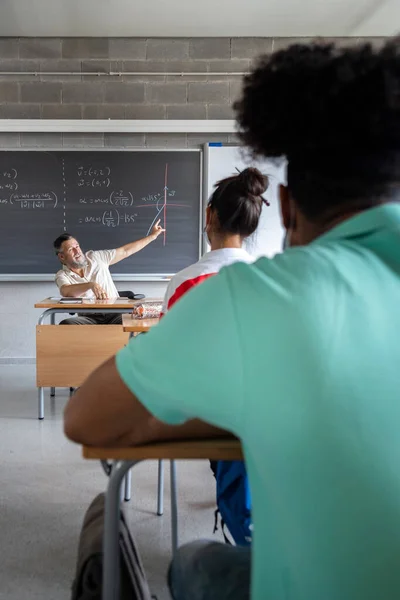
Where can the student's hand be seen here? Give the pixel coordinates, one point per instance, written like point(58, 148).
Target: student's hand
point(156, 230)
point(98, 291)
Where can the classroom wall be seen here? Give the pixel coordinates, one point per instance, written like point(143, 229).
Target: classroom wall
point(47, 79)
point(206, 94)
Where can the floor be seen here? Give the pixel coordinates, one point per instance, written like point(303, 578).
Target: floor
point(45, 488)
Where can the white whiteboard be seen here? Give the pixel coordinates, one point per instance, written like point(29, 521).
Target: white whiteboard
point(221, 162)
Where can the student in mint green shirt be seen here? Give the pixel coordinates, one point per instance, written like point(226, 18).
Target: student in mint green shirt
point(298, 356)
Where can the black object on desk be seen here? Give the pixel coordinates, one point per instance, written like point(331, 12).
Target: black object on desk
point(131, 295)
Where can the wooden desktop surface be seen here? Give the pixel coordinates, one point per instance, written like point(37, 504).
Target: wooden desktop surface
point(215, 449)
point(137, 325)
point(94, 303)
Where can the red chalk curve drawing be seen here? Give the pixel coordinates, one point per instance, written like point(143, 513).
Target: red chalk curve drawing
point(160, 201)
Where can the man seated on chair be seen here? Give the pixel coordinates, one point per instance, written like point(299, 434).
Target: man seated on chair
point(88, 275)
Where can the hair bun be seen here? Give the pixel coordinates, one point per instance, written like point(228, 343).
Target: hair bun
point(254, 182)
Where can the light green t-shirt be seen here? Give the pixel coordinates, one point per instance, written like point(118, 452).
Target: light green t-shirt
point(299, 356)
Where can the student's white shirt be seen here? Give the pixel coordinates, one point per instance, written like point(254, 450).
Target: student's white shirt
point(207, 266)
point(96, 271)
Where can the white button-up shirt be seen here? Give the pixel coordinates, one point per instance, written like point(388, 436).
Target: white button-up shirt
point(96, 271)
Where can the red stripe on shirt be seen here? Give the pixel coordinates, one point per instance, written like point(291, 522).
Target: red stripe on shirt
point(186, 286)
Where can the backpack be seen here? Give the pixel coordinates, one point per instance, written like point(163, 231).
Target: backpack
point(233, 500)
point(87, 584)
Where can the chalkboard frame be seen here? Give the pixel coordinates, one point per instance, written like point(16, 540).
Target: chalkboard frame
point(116, 276)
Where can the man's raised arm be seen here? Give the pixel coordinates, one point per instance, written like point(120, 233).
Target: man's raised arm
point(133, 247)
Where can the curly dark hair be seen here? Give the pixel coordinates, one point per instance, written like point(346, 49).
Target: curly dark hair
point(334, 113)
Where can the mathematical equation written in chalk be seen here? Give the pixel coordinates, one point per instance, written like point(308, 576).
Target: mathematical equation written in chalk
point(11, 174)
point(12, 186)
point(109, 218)
point(158, 196)
point(8, 184)
point(33, 200)
point(93, 172)
point(93, 177)
point(118, 198)
point(9, 194)
point(95, 182)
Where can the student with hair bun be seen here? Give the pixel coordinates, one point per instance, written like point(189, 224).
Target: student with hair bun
point(232, 215)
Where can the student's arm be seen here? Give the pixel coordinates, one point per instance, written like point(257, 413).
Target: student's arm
point(133, 247)
point(104, 412)
point(188, 367)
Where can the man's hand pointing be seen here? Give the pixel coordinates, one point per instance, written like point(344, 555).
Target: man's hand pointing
point(156, 230)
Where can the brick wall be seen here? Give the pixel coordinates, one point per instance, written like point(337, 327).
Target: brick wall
point(49, 92)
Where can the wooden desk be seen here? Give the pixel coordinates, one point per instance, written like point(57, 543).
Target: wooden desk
point(218, 449)
point(137, 325)
point(113, 304)
point(65, 356)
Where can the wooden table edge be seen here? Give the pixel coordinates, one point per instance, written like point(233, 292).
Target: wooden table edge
point(118, 304)
point(131, 325)
point(127, 305)
point(224, 449)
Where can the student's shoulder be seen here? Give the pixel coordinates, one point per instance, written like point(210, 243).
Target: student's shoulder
point(297, 268)
point(190, 272)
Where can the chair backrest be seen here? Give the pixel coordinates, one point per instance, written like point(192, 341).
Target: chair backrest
point(127, 294)
point(131, 295)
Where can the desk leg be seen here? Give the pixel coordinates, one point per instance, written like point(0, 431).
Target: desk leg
point(108, 467)
point(128, 486)
point(52, 322)
point(111, 530)
point(174, 507)
point(160, 490)
point(40, 404)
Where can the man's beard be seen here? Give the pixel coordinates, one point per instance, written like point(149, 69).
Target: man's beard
point(79, 264)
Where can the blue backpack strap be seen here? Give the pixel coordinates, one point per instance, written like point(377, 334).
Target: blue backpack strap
point(227, 541)
point(233, 500)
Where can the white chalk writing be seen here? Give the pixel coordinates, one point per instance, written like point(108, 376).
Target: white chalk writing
point(34, 200)
point(94, 182)
point(93, 172)
point(109, 219)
